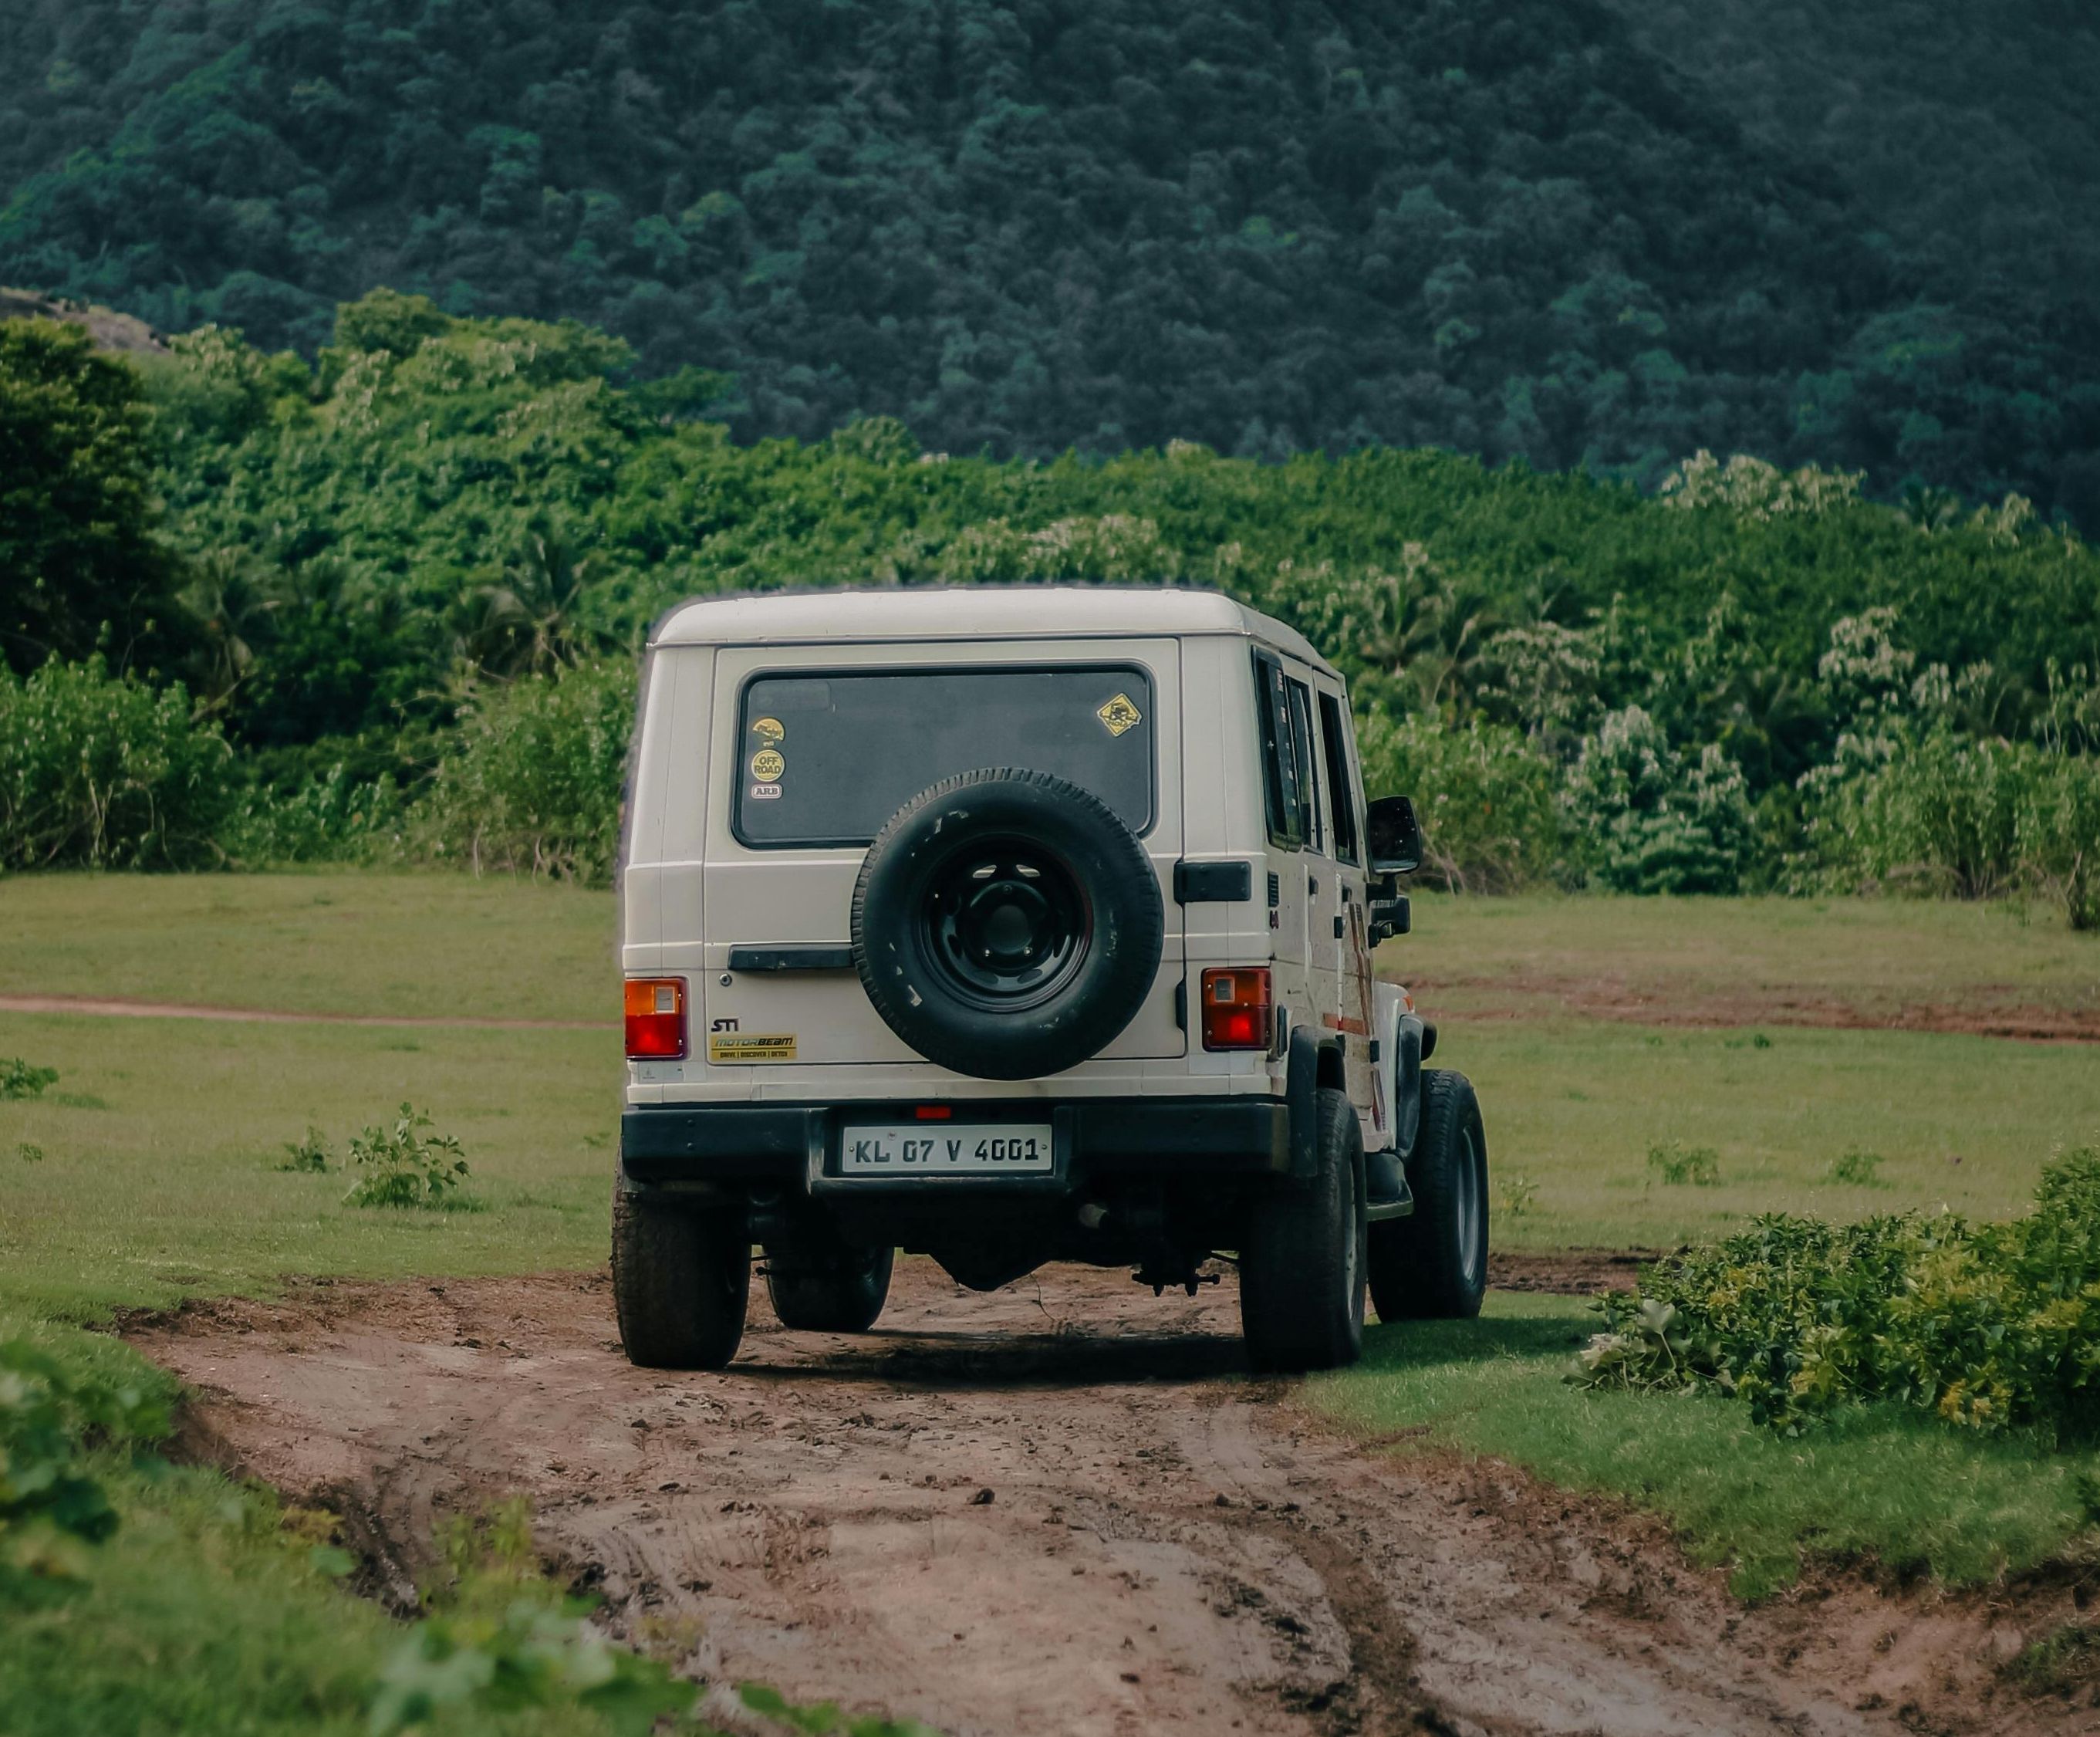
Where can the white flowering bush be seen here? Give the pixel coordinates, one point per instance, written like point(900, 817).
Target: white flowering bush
point(1648, 819)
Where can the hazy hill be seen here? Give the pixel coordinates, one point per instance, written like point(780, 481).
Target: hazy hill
point(1533, 228)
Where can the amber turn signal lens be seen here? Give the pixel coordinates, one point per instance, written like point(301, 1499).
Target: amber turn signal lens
point(655, 1018)
point(1237, 1010)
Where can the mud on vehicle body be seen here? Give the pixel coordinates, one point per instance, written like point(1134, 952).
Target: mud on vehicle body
point(1012, 926)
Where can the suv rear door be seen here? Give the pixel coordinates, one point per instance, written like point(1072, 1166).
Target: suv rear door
point(814, 747)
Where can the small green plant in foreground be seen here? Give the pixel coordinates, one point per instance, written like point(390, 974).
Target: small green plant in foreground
point(1515, 1195)
point(1855, 1168)
point(28, 1153)
point(501, 1637)
point(19, 1079)
point(1993, 1327)
point(50, 1508)
point(307, 1156)
point(1676, 1164)
point(404, 1166)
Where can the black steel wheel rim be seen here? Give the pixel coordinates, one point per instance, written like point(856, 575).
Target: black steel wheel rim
point(1005, 923)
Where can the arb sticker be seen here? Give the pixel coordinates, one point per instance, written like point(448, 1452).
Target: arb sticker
point(750, 1046)
point(767, 765)
point(769, 731)
point(1119, 715)
point(765, 793)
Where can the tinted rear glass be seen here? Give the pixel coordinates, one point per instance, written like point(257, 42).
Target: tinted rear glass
point(826, 759)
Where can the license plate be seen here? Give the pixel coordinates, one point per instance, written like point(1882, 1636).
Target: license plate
point(952, 1149)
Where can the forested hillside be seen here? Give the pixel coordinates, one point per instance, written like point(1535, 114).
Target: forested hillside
point(1546, 228)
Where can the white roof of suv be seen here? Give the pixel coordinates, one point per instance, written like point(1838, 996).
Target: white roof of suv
point(1003, 611)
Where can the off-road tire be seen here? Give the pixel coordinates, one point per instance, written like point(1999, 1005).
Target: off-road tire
point(821, 1284)
point(1302, 1270)
point(681, 1282)
point(912, 986)
point(1433, 1264)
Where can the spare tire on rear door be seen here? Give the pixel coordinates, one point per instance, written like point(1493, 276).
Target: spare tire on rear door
point(1006, 923)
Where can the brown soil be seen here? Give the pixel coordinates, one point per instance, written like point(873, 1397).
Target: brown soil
point(104, 1009)
point(1547, 996)
point(1064, 1508)
point(1569, 1272)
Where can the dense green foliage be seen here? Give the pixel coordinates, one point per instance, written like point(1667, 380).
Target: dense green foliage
point(79, 566)
point(1584, 233)
point(51, 1503)
point(106, 772)
point(1989, 1326)
point(415, 572)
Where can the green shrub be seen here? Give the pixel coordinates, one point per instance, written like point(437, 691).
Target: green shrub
point(1677, 1165)
point(19, 1079)
point(1647, 818)
point(99, 771)
point(1490, 821)
point(534, 784)
point(1992, 1326)
point(402, 1166)
point(1855, 1168)
point(2058, 832)
point(308, 1156)
point(49, 1506)
point(330, 817)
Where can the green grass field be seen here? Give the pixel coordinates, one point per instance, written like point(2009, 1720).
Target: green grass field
point(1896, 1489)
point(148, 1173)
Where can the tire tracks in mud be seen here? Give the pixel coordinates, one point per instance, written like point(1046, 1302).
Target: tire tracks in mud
point(1061, 1507)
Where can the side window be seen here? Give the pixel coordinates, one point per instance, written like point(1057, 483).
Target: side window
point(1283, 789)
point(1341, 787)
point(1310, 826)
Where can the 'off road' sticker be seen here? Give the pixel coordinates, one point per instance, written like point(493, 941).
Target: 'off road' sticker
point(769, 731)
point(750, 1046)
point(1119, 714)
point(767, 765)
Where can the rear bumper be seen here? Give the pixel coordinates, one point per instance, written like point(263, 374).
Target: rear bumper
point(796, 1147)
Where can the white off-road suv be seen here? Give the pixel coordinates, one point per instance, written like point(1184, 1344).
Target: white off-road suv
point(1016, 926)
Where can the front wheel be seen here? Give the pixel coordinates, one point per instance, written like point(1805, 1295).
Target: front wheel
point(1433, 1264)
point(681, 1282)
point(1302, 1268)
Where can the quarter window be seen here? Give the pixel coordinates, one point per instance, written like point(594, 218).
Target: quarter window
point(1341, 788)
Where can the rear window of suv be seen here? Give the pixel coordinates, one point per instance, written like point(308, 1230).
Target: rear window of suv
point(825, 759)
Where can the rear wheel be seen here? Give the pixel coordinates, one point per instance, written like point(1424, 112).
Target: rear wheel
point(819, 1284)
point(1433, 1265)
point(1302, 1270)
point(681, 1282)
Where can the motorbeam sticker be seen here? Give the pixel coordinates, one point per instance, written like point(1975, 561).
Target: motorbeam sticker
point(750, 1046)
point(1118, 715)
point(768, 731)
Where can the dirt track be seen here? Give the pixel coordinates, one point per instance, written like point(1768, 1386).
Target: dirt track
point(1061, 1508)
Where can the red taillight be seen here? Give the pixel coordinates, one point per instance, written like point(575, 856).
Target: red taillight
point(932, 1112)
point(1236, 1013)
point(655, 1018)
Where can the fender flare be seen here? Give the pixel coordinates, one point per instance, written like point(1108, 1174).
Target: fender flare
point(1301, 1087)
point(1400, 1033)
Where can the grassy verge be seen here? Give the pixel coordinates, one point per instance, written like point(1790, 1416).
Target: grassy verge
point(414, 944)
point(1906, 1492)
point(1576, 1105)
point(158, 1152)
point(1871, 957)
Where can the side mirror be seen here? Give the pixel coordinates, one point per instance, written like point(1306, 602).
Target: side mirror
point(1395, 836)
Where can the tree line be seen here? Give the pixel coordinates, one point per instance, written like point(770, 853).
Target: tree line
point(388, 602)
